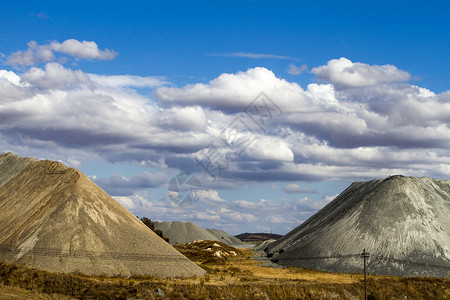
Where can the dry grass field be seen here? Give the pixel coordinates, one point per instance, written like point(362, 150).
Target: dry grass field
point(232, 274)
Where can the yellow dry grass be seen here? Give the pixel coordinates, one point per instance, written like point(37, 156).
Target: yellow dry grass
point(229, 277)
point(16, 293)
point(245, 268)
point(227, 270)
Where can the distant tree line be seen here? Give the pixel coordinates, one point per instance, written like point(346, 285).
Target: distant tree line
point(151, 225)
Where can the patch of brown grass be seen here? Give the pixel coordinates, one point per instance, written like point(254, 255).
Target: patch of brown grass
point(204, 252)
point(16, 293)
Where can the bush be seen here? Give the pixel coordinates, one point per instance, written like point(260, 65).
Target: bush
point(151, 225)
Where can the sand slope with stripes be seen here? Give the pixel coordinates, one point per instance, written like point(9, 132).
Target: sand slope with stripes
point(402, 222)
point(185, 232)
point(54, 218)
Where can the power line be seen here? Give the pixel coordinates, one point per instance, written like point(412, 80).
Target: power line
point(365, 255)
point(322, 257)
point(406, 262)
point(52, 252)
point(370, 261)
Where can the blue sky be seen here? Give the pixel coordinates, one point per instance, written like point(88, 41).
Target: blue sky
point(132, 93)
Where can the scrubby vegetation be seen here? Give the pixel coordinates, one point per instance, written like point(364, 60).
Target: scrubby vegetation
point(151, 225)
point(229, 277)
point(204, 252)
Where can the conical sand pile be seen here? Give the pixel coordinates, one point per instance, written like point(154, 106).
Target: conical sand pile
point(402, 222)
point(185, 232)
point(53, 217)
point(11, 166)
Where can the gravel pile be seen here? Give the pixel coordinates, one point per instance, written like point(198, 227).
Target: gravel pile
point(54, 218)
point(402, 222)
point(185, 232)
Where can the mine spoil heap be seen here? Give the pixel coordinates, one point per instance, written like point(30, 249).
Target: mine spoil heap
point(402, 222)
point(54, 218)
point(185, 232)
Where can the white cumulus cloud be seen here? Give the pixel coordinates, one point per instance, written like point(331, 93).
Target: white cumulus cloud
point(44, 53)
point(55, 76)
point(235, 91)
point(83, 49)
point(324, 132)
point(345, 73)
point(34, 54)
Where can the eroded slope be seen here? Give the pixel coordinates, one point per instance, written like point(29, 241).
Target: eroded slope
point(53, 217)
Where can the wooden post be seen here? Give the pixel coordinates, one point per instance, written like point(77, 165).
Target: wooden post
point(365, 274)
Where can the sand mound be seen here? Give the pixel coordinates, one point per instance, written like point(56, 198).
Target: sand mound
point(264, 245)
point(54, 218)
point(185, 232)
point(403, 222)
point(11, 166)
point(225, 237)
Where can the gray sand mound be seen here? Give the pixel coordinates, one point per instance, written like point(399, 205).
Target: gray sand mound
point(185, 232)
point(263, 245)
point(402, 222)
point(54, 218)
point(225, 237)
point(11, 166)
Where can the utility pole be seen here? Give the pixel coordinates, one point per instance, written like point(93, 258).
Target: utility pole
point(365, 255)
